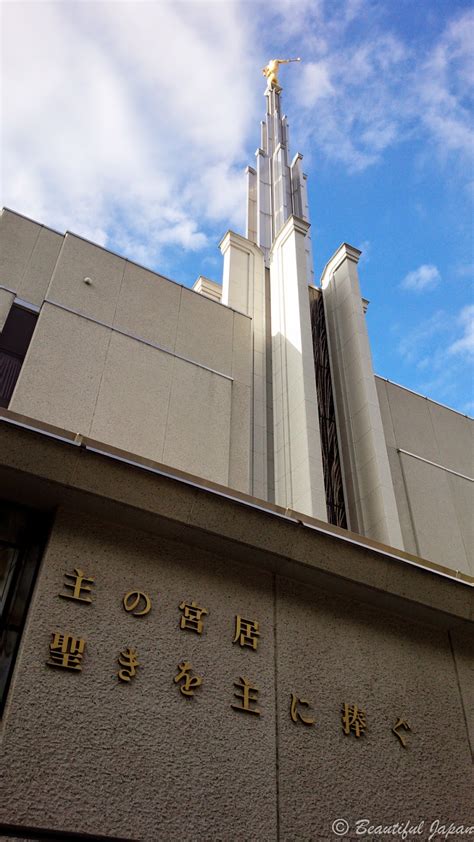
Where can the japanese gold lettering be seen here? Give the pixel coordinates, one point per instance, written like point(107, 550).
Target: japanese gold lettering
point(78, 586)
point(66, 651)
point(296, 714)
point(246, 632)
point(247, 694)
point(192, 617)
point(128, 660)
point(133, 599)
point(190, 683)
point(401, 723)
point(353, 719)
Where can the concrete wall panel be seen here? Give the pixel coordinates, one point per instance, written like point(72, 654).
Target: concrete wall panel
point(17, 240)
point(403, 506)
point(435, 506)
point(60, 378)
point(381, 386)
point(205, 332)
point(133, 400)
point(198, 426)
point(88, 753)
point(242, 350)
point(434, 515)
point(240, 438)
point(6, 301)
point(78, 260)
point(454, 434)
point(462, 643)
point(40, 268)
point(148, 306)
point(462, 496)
point(412, 423)
point(237, 275)
point(98, 382)
point(84, 377)
point(28, 253)
point(243, 287)
point(330, 652)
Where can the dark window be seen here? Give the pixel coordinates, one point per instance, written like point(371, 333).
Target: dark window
point(335, 504)
point(14, 340)
point(22, 536)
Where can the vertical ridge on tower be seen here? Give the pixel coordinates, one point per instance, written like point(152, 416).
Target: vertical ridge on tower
point(276, 189)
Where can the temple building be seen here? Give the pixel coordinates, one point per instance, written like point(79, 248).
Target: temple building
point(237, 566)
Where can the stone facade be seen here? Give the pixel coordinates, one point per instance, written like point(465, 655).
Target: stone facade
point(292, 679)
point(339, 623)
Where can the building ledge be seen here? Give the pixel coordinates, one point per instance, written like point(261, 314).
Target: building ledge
point(208, 288)
point(344, 252)
point(47, 467)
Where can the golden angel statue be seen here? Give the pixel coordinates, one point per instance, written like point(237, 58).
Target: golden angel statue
point(271, 70)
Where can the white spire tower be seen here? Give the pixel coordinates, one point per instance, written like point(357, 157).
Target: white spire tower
point(266, 274)
point(276, 189)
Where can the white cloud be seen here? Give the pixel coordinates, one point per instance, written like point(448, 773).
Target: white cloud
point(435, 353)
point(333, 93)
point(118, 122)
point(316, 83)
point(131, 122)
point(416, 342)
point(425, 277)
point(465, 344)
point(444, 84)
point(371, 93)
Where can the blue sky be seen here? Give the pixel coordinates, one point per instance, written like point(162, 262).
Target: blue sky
point(131, 124)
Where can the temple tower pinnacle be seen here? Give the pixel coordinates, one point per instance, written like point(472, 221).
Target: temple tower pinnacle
point(266, 274)
point(276, 188)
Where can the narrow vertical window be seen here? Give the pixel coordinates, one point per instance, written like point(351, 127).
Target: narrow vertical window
point(14, 340)
point(22, 536)
point(335, 505)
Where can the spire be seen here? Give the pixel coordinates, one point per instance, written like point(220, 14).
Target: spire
point(276, 188)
